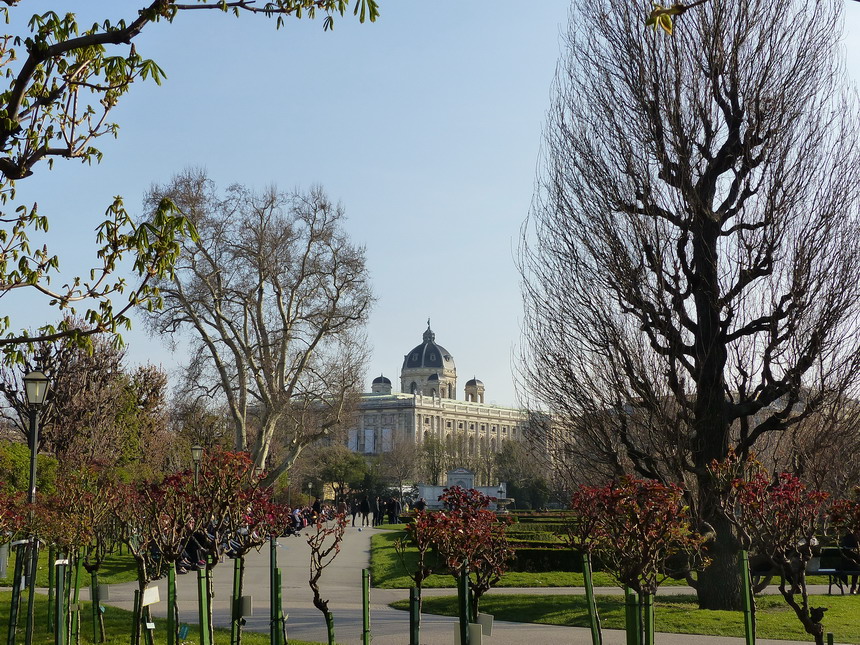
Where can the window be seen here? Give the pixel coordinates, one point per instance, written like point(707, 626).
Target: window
point(447, 424)
point(471, 426)
point(426, 420)
point(432, 357)
point(460, 425)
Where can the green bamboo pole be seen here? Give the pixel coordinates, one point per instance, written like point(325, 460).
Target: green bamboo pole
point(203, 606)
point(51, 558)
point(74, 609)
point(136, 618)
point(648, 618)
point(747, 599)
point(365, 604)
point(16, 593)
point(633, 620)
point(463, 602)
point(33, 554)
point(414, 615)
point(172, 611)
point(593, 617)
point(236, 613)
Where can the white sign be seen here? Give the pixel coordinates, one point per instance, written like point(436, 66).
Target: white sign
point(150, 596)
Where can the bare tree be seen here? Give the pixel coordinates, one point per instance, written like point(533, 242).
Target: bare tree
point(691, 271)
point(275, 297)
point(400, 464)
point(434, 460)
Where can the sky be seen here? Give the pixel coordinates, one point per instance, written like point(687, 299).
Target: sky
point(426, 125)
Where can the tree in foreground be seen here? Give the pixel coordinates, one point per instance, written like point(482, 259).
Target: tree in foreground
point(777, 518)
point(63, 81)
point(472, 540)
point(640, 531)
point(274, 297)
point(691, 277)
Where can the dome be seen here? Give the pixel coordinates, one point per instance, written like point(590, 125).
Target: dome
point(473, 382)
point(428, 354)
point(381, 380)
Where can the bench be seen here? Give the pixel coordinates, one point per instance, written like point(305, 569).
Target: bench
point(830, 563)
point(836, 567)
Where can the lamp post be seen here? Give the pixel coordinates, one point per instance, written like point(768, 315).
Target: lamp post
point(310, 485)
point(36, 387)
point(196, 456)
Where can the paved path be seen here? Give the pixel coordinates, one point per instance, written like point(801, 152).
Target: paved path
point(341, 583)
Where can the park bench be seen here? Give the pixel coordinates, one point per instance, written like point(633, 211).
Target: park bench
point(830, 563)
point(834, 565)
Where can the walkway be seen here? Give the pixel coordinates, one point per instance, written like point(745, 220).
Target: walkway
point(341, 584)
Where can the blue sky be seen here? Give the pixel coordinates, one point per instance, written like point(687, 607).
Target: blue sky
point(426, 125)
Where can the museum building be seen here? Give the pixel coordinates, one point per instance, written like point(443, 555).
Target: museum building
point(427, 406)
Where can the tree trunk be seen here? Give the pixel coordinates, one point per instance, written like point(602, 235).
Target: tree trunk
point(720, 584)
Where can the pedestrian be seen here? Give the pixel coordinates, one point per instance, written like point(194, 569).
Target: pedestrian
point(365, 511)
point(354, 510)
point(377, 510)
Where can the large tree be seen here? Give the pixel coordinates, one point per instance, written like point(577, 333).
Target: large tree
point(691, 271)
point(275, 298)
point(62, 82)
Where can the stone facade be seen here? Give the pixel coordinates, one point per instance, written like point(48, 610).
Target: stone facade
point(428, 407)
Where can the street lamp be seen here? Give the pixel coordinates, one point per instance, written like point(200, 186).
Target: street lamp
point(36, 388)
point(196, 456)
point(310, 485)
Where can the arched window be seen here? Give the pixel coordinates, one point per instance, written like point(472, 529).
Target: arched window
point(413, 388)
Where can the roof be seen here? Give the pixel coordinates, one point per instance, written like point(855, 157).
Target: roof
point(428, 354)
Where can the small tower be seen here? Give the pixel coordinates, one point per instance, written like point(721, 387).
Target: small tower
point(380, 385)
point(474, 391)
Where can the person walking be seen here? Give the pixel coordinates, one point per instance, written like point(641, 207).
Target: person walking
point(365, 511)
point(354, 510)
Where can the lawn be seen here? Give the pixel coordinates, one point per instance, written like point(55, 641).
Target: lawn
point(115, 568)
point(673, 614)
point(117, 626)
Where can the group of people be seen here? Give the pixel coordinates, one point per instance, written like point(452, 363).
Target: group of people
point(370, 511)
point(373, 510)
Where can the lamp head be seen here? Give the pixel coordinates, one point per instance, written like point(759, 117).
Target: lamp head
point(36, 386)
point(196, 453)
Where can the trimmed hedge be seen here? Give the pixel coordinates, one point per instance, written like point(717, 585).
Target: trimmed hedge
point(538, 560)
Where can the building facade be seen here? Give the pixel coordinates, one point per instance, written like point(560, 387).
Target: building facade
point(427, 406)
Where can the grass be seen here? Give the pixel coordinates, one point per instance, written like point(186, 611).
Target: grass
point(115, 568)
point(117, 626)
point(387, 571)
point(672, 614)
